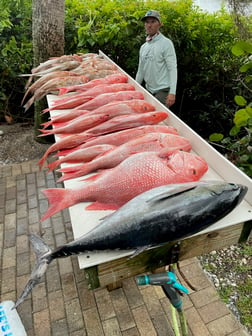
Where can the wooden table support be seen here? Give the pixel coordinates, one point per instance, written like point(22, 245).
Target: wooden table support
point(112, 273)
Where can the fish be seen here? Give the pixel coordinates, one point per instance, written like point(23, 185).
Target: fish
point(128, 121)
point(52, 62)
point(53, 85)
point(68, 65)
point(151, 142)
point(110, 79)
point(160, 215)
point(111, 188)
point(114, 124)
point(119, 108)
point(85, 96)
point(98, 101)
point(78, 125)
point(44, 79)
point(81, 155)
point(88, 122)
point(120, 137)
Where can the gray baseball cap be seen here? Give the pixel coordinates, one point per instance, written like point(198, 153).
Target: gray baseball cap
point(152, 13)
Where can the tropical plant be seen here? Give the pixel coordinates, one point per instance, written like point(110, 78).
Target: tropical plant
point(238, 144)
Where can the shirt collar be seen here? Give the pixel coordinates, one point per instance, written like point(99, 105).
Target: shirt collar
point(150, 38)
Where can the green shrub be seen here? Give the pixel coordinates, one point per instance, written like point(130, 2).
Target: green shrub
point(238, 144)
point(15, 55)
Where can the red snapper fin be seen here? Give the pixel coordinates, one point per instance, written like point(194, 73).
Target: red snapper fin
point(102, 206)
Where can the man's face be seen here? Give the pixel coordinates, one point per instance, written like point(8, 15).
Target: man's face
point(152, 26)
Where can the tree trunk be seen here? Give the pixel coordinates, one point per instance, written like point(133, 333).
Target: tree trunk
point(48, 41)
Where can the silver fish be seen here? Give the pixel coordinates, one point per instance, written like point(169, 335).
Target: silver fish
point(160, 215)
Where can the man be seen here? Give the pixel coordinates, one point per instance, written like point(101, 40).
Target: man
point(157, 61)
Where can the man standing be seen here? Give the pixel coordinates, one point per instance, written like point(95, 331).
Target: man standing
point(157, 61)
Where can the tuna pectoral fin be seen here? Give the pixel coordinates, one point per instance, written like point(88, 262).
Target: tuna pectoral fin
point(139, 250)
point(43, 258)
point(174, 190)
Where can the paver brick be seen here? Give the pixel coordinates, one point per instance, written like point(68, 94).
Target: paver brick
point(74, 315)
point(59, 328)
point(195, 323)
point(56, 305)
point(131, 332)
point(69, 286)
point(86, 296)
point(143, 321)
point(223, 326)
point(111, 327)
point(104, 304)
point(42, 325)
point(122, 310)
point(9, 257)
point(200, 298)
point(53, 281)
point(93, 322)
point(132, 293)
point(213, 310)
point(9, 238)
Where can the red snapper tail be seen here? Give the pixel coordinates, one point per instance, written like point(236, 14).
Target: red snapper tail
point(58, 200)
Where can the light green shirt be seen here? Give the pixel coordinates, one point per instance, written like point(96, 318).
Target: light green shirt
point(158, 65)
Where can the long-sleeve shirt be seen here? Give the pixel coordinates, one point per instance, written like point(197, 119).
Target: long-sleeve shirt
point(158, 65)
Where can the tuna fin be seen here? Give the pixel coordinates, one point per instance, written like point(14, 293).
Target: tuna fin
point(43, 258)
point(139, 250)
point(178, 189)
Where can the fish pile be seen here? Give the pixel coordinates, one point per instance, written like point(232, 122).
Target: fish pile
point(159, 215)
point(105, 126)
point(64, 71)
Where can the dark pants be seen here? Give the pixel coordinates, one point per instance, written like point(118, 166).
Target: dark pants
point(162, 95)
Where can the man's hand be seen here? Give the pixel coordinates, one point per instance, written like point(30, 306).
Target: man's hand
point(170, 100)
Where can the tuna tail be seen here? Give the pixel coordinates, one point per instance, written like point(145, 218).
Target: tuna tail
point(58, 199)
point(43, 258)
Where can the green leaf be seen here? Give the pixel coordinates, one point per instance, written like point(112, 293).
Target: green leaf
point(241, 48)
point(241, 117)
point(240, 101)
point(234, 130)
point(245, 67)
point(216, 137)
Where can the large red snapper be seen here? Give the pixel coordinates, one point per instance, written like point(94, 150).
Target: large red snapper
point(120, 137)
point(106, 98)
point(128, 121)
point(110, 79)
point(114, 187)
point(88, 122)
point(82, 98)
point(152, 142)
point(119, 108)
point(81, 155)
point(98, 101)
point(77, 125)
